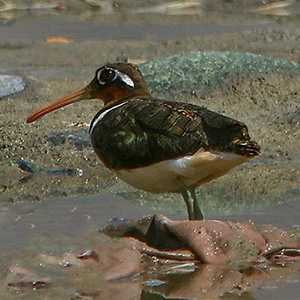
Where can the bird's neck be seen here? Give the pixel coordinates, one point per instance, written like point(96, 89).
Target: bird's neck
point(123, 98)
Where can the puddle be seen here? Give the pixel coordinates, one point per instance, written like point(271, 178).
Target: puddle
point(79, 216)
point(72, 217)
point(40, 242)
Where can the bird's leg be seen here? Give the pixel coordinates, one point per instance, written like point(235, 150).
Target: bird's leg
point(190, 199)
point(197, 210)
point(189, 204)
point(187, 199)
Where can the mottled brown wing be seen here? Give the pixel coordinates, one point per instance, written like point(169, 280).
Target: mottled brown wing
point(144, 131)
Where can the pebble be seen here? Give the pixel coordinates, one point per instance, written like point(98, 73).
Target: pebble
point(10, 85)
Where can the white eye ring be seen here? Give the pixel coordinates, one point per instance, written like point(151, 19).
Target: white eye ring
point(111, 75)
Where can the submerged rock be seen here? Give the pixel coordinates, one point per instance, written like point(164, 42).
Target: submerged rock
point(211, 241)
point(80, 137)
point(10, 85)
point(32, 168)
point(194, 70)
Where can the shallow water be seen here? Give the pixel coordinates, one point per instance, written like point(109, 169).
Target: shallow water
point(41, 214)
point(80, 31)
point(70, 225)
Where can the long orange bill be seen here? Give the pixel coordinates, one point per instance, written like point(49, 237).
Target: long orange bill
point(82, 94)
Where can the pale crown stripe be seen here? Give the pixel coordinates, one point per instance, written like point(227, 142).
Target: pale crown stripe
point(101, 116)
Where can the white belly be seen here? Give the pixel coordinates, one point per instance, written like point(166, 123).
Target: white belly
point(197, 169)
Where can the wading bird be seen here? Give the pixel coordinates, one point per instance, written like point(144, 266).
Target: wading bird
point(157, 145)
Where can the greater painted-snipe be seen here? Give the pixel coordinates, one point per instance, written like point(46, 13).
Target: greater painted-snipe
point(157, 145)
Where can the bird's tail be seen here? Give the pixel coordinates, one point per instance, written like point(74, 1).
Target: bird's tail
point(245, 148)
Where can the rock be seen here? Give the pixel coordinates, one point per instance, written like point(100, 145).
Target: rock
point(193, 70)
point(32, 168)
point(10, 85)
point(293, 117)
point(80, 137)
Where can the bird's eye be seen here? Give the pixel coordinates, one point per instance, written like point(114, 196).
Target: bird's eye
point(106, 76)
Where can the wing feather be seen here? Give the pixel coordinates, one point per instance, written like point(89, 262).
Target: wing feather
point(147, 131)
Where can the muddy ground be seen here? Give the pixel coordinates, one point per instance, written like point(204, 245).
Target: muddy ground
point(268, 103)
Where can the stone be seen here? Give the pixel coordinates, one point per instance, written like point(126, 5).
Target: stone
point(10, 85)
point(194, 70)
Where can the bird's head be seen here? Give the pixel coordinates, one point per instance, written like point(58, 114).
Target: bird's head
point(113, 83)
